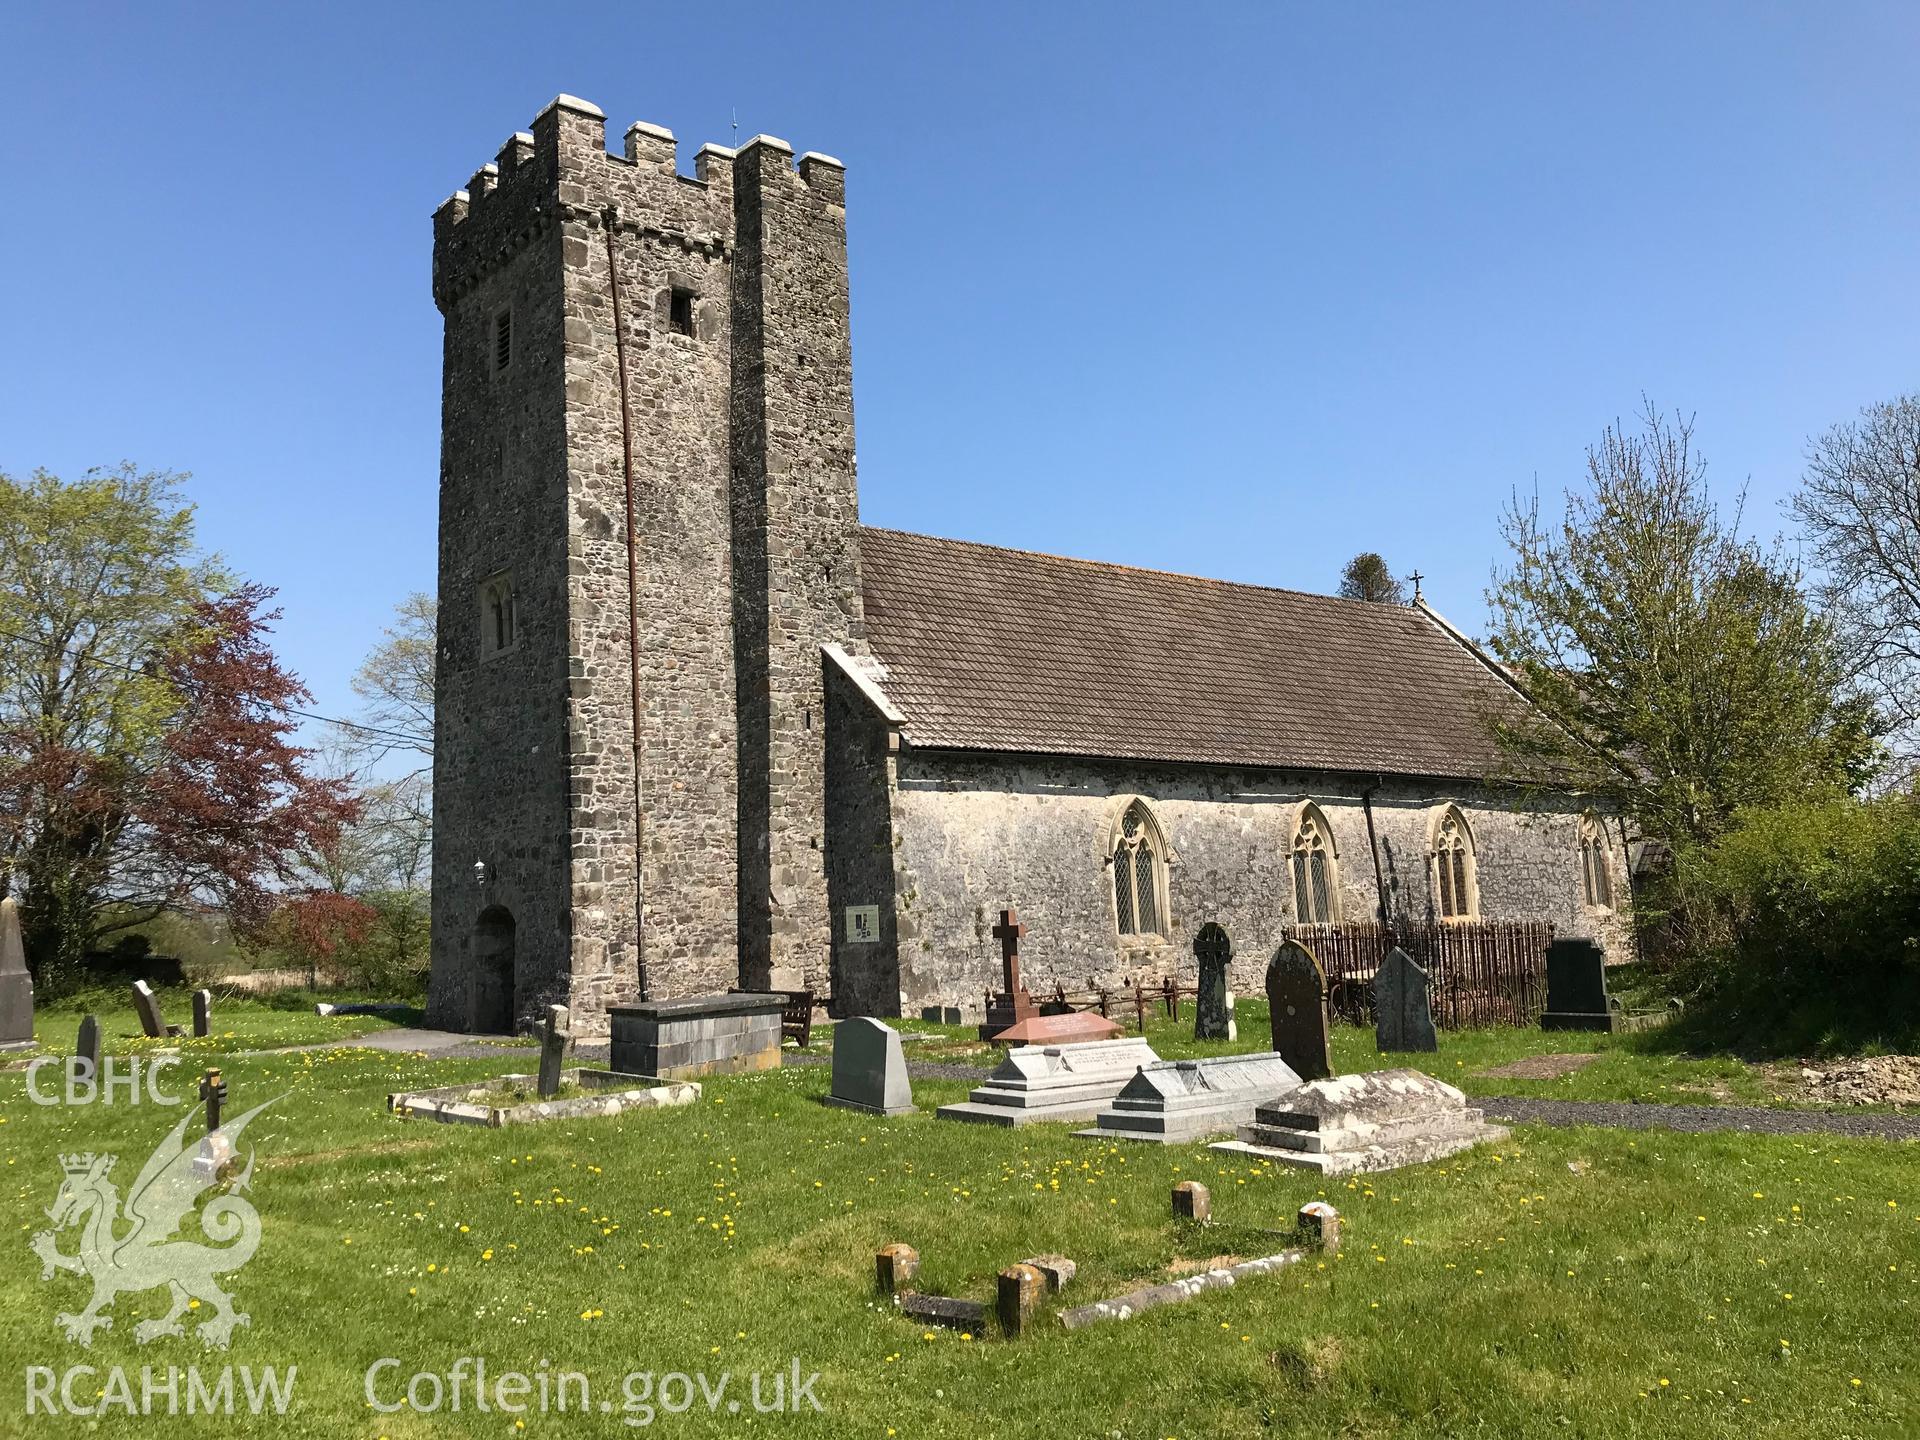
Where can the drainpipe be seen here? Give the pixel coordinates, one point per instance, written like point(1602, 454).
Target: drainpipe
point(1373, 845)
point(609, 218)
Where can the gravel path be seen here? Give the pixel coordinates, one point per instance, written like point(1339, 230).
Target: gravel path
point(1700, 1119)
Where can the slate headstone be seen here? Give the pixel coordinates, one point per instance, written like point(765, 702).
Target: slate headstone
point(202, 1013)
point(1576, 977)
point(553, 1050)
point(1402, 1010)
point(869, 1068)
point(16, 984)
point(1212, 1012)
point(86, 1049)
point(152, 1023)
point(1297, 1006)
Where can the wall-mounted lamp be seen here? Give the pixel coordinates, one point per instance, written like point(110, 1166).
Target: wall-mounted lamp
point(480, 873)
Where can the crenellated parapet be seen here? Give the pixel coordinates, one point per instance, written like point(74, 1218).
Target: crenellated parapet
point(561, 170)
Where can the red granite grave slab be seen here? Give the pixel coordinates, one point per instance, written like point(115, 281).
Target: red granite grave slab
point(1058, 1030)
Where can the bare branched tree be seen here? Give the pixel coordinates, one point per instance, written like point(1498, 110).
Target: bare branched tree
point(1860, 505)
point(396, 681)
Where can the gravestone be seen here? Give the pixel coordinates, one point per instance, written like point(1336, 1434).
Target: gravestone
point(1297, 1005)
point(869, 1068)
point(1576, 978)
point(1212, 1011)
point(553, 1050)
point(86, 1050)
point(1054, 1082)
point(16, 984)
point(1402, 1012)
point(1013, 1004)
point(1377, 1121)
point(202, 1013)
point(1174, 1101)
point(152, 1023)
point(213, 1090)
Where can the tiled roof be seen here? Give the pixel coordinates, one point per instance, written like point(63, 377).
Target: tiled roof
point(994, 649)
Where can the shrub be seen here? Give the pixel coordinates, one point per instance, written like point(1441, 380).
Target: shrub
point(1806, 926)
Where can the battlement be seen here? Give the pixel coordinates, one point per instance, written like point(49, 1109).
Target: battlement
point(568, 142)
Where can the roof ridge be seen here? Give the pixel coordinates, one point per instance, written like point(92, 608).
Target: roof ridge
point(1141, 569)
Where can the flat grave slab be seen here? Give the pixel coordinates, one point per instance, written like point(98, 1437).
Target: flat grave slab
point(1054, 1082)
point(1380, 1120)
point(492, 1103)
point(1176, 1101)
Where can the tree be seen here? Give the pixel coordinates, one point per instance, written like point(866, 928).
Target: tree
point(396, 681)
point(1367, 577)
point(1860, 504)
point(145, 751)
point(1677, 670)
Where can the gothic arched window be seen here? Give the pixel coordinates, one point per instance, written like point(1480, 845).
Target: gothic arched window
point(498, 614)
point(1316, 876)
point(1596, 875)
point(1456, 885)
point(1139, 860)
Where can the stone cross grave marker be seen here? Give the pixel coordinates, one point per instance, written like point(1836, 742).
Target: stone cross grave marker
point(202, 1013)
point(1211, 1012)
point(1013, 1004)
point(1297, 1006)
point(1402, 1009)
point(152, 1023)
point(86, 1049)
point(16, 984)
point(554, 1036)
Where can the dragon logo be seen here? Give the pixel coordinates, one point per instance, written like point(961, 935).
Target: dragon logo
point(147, 1256)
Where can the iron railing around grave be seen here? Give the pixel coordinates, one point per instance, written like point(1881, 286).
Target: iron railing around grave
point(1481, 972)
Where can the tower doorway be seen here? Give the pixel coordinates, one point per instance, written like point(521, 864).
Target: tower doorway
point(493, 982)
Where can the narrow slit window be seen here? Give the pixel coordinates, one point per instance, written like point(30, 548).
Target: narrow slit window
point(502, 340)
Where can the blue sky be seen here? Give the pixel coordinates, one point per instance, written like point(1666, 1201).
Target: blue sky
point(1230, 289)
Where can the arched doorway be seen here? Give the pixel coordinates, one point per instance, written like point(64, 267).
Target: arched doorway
point(492, 1012)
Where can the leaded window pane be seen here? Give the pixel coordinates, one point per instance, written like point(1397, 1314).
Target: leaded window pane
point(1146, 897)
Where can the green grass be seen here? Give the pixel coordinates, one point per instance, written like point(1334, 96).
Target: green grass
point(1644, 1067)
point(1544, 1286)
point(239, 1022)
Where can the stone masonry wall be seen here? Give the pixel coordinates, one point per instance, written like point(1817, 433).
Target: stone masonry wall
point(796, 547)
point(669, 232)
point(974, 834)
point(739, 416)
point(500, 779)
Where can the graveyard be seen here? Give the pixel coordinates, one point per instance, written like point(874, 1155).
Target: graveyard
point(1583, 1280)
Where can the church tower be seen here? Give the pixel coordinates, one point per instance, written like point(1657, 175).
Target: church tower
point(648, 529)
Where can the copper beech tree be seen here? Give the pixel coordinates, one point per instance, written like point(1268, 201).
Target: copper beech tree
point(147, 747)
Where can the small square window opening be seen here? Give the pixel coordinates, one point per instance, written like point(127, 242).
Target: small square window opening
point(680, 312)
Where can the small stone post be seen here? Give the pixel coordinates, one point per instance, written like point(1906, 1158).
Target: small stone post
point(1192, 1201)
point(1019, 1291)
point(1319, 1224)
point(894, 1267)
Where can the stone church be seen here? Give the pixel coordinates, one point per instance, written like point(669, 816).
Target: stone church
point(697, 727)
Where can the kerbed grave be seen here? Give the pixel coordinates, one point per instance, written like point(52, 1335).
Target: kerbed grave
point(515, 1099)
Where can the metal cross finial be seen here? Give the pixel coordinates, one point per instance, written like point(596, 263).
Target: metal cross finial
point(1416, 577)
